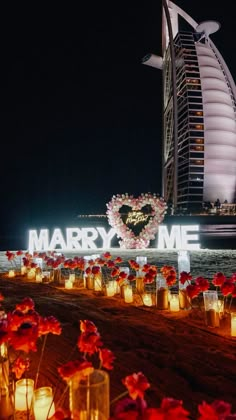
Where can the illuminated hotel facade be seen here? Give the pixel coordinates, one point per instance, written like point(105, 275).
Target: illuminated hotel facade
point(199, 114)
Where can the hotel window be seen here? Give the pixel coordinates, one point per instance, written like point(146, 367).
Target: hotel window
point(197, 162)
point(196, 133)
point(197, 100)
point(196, 120)
point(197, 155)
point(199, 126)
point(197, 148)
point(194, 106)
point(199, 141)
point(196, 169)
point(197, 177)
point(195, 191)
point(196, 183)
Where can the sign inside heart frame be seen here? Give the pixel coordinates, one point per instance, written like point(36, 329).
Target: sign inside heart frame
point(128, 238)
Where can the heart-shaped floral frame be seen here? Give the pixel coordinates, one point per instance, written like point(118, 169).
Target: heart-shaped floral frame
point(128, 238)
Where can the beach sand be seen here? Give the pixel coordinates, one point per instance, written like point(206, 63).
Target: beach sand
point(181, 357)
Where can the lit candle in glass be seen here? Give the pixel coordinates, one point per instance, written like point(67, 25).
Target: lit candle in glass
point(72, 277)
point(31, 274)
point(43, 406)
point(211, 308)
point(110, 289)
point(24, 389)
point(174, 303)
point(11, 273)
point(128, 294)
point(97, 283)
point(68, 284)
point(23, 269)
point(38, 278)
point(147, 299)
point(233, 324)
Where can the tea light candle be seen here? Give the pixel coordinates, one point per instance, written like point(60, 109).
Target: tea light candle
point(147, 299)
point(233, 324)
point(11, 273)
point(97, 283)
point(43, 405)
point(174, 303)
point(128, 294)
point(23, 394)
point(23, 269)
point(68, 284)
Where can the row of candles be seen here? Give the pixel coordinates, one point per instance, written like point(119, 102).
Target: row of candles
point(39, 400)
point(212, 310)
point(31, 274)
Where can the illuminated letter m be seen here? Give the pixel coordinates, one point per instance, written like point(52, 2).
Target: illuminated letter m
point(38, 243)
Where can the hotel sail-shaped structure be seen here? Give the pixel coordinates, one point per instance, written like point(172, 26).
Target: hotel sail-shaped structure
point(199, 114)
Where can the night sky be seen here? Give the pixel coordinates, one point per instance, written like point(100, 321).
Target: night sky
point(81, 116)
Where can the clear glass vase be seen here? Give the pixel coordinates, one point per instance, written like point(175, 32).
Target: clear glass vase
point(184, 301)
point(89, 396)
point(140, 285)
point(162, 293)
point(211, 308)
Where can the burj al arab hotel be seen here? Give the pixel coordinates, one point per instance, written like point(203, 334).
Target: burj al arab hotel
point(199, 113)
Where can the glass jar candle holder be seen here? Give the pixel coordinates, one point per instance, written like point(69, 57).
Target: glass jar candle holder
point(31, 274)
point(162, 293)
point(147, 299)
point(89, 282)
point(11, 273)
point(56, 275)
point(24, 389)
point(140, 287)
point(98, 282)
point(43, 405)
point(128, 294)
point(23, 270)
point(211, 308)
point(68, 284)
point(174, 302)
point(110, 288)
point(184, 302)
point(72, 277)
point(38, 278)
